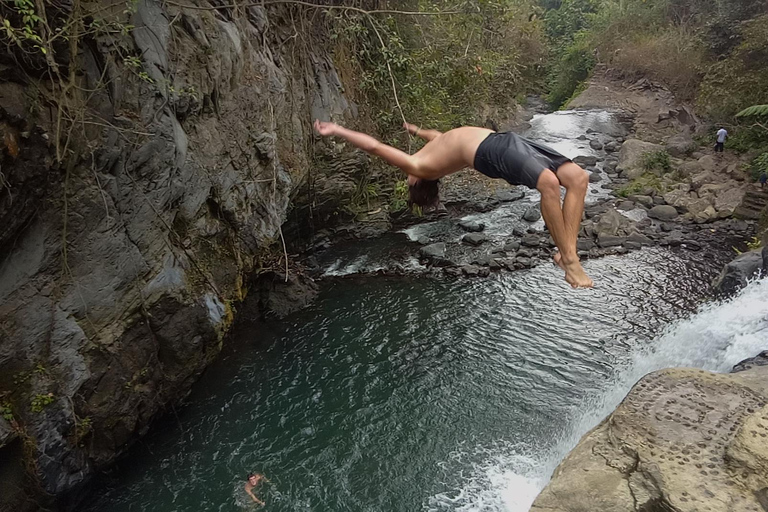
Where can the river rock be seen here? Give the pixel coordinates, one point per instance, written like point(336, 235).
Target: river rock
point(596, 144)
point(639, 238)
point(612, 223)
point(728, 199)
point(435, 254)
point(511, 246)
point(595, 177)
point(682, 440)
point(508, 196)
point(474, 239)
point(663, 212)
point(531, 241)
point(585, 244)
point(735, 274)
point(631, 155)
point(612, 146)
point(474, 271)
point(646, 201)
point(471, 226)
point(585, 161)
point(532, 214)
point(760, 359)
point(606, 241)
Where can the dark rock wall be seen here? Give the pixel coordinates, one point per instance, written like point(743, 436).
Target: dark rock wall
point(120, 264)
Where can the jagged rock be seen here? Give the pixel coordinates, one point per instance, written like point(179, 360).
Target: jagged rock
point(639, 238)
point(728, 199)
point(735, 274)
point(663, 212)
point(475, 271)
point(471, 226)
point(606, 241)
point(612, 223)
point(433, 251)
point(508, 196)
point(631, 155)
point(532, 214)
point(681, 440)
point(474, 239)
point(596, 144)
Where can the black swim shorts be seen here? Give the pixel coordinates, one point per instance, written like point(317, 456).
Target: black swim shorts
point(516, 159)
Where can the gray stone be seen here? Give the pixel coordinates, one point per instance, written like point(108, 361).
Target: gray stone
point(646, 201)
point(632, 245)
point(531, 241)
point(585, 161)
point(511, 246)
point(663, 212)
point(612, 147)
point(596, 144)
point(625, 206)
point(595, 177)
point(639, 238)
point(532, 214)
point(518, 232)
point(631, 156)
point(471, 226)
point(735, 274)
point(658, 200)
point(680, 145)
point(433, 251)
point(760, 359)
point(508, 196)
point(693, 245)
point(606, 241)
point(585, 244)
point(474, 239)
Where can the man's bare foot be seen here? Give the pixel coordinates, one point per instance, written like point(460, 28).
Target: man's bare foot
point(324, 128)
point(574, 272)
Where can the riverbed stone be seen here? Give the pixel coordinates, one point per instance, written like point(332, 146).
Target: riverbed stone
point(663, 212)
point(760, 359)
point(631, 156)
point(532, 214)
point(639, 238)
point(683, 439)
point(596, 144)
point(606, 241)
point(508, 196)
point(595, 177)
point(474, 239)
point(471, 226)
point(585, 161)
point(511, 246)
point(646, 201)
point(531, 241)
point(612, 146)
point(738, 272)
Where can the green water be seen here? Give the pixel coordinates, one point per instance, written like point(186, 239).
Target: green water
point(407, 395)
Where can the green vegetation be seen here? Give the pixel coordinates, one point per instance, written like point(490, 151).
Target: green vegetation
point(6, 411)
point(39, 402)
point(656, 161)
point(639, 185)
point(399, 200)
point(759, 166)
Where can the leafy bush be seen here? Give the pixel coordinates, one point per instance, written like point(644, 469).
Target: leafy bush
point(656, 161)
point(639, 185)
point(759, 166)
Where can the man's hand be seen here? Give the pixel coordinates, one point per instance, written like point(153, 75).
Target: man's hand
point(324, 128)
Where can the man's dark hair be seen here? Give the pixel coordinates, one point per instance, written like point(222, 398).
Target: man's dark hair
point(250, 475)
point(424, 193)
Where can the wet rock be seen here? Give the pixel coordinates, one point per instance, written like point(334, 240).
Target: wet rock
point(518, 232)
point(639, 238)
point(632, 245)
point(735, 274)
point(474, 239)
point(759, 360)
point(475, 271)
point(663, 212)
point(682, 439)
point(532, 214)
point(625, 206)
point(658, 200)
point(423, 240)
point(612, 147)
point(471, 226)
point(646, 201)
point(606, 241)
point(691, 244)
point(435, 254)
point(581, 137)
point(585, 161)
point(522, 262)
point(585, 244)
point(511, 246)
point(596, 144)
point(631, 157)
point(531, 241)
point(508, 196)
point(595, 177)
point(495, 264)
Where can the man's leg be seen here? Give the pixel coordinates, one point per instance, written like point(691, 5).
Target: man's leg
point(427, 134)
point(562, 228)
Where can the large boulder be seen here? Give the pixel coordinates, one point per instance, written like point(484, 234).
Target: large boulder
point(682, 440)
point(728, 199)
point(680, 145)
point(738, 272)
point(631, 157)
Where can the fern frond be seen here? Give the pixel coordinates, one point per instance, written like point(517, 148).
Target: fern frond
point(754, 110)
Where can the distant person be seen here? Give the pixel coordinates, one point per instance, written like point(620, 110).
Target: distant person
point(722, 134)
point(763, 179)
point(505, 155)
point(252, 481)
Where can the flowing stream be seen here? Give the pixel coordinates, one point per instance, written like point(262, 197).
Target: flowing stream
point(423, 394)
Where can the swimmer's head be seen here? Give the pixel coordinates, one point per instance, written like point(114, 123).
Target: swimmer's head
point(423, 192)
point(253, 478)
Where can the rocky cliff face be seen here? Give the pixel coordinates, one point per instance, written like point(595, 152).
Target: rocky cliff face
point(120, 264)
point(682, 440)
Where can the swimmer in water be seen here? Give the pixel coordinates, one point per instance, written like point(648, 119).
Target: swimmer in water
point(252, 481)
point(507, 156)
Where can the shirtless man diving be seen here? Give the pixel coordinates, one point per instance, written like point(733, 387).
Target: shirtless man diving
point(507, 156)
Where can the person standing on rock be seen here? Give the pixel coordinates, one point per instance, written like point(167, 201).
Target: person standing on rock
point(502, 155)
point(722, 134)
